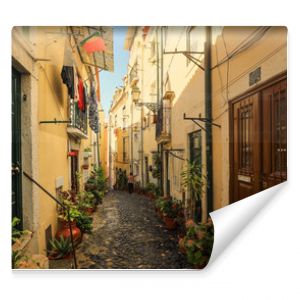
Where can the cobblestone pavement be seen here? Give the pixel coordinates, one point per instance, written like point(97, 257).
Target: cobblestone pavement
point(127, 234)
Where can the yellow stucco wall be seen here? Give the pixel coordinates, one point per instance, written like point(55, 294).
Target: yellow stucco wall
point(186, 80)
point(269, 53)
point(50, 160)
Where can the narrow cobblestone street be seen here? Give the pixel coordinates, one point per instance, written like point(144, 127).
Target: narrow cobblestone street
point(127, 234)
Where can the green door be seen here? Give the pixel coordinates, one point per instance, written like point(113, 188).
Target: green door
point(16, 146)
point(195, 155)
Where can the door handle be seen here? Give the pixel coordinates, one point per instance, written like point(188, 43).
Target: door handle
point(15, 169)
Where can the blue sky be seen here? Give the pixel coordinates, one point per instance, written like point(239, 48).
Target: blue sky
point(110, 80)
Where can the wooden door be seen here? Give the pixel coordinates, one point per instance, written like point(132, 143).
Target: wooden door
point(74, 171)
point(246, 147)
point(16, 146)
point(259, 140)
point(274, 131)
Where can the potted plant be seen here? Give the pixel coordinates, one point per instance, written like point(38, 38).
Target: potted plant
point(150, 190)
point(18, 255)
point(159, 203)
point(69, 212)
point(198, 243)
point(169, 210)
point(85, 166)
point(97, 184)
point(86, 202)
point(193, 181)
point(60, 248)
point(84, 223)
point(65, 231)
point(87, 152)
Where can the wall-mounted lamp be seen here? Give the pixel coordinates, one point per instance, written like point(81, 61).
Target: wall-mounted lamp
point(135, 93)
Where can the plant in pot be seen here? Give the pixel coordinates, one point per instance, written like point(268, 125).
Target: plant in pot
point(18, 255)
point(150, 190)
point(60, 248)
point(159, 203)
point(91, 187)
point(86, 202)
point(169, 210)
point(193, 181)
point(87, 152)
point(84, 223)
point(198, 242)
point(72, 213)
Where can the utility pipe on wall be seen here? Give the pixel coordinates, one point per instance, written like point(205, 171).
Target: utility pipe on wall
point(157, 97)
point(208, 115)
point(161, 96)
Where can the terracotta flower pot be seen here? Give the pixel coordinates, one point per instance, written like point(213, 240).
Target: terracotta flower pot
point(170, 223)
point(160, 214)
point(90, 210)
point(66, 233)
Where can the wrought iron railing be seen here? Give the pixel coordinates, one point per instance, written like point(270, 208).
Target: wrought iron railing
point(78, 117)
point(63, 207)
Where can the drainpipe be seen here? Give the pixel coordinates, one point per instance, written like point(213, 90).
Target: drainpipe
point(208, 115)
point(157, 97)
point(162, 93)
point(109, 151)
point(98, 148)
point(142, 118)
point(131, 137)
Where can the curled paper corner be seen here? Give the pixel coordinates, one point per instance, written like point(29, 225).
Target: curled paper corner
point(230, 221)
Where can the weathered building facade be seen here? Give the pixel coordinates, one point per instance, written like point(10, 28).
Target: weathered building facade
point(52, 139)
point(168, 80)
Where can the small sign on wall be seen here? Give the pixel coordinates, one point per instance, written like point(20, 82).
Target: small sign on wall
point(59, 181)
point(255, 76)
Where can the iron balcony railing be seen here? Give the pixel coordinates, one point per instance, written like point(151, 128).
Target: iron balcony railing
point(64, 208)
point(163, 123)
point(78, 117)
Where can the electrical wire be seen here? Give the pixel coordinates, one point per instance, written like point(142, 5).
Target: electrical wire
point(267, 57)
point(227, 73)
point(220, 77)
point(271, 54)
point(180, 37)
point(245, 44)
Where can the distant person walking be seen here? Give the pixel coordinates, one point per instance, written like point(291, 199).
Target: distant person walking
point(130, 183)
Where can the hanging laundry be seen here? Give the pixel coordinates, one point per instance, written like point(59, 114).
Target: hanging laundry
point(81, 95)
point(93, 111)
point(67, 75)
point(86, 95)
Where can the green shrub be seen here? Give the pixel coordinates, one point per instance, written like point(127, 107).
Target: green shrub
point(60, 248)
point(86, 200)
point(84, 223)
point(198, 242)
point(16, 233)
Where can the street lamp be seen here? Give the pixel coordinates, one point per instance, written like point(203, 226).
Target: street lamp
point(135, 93)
